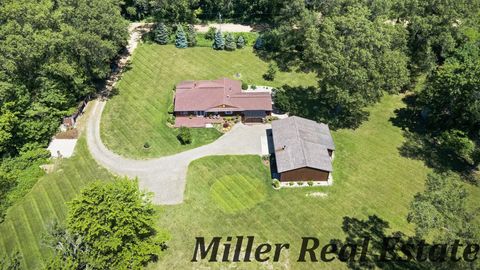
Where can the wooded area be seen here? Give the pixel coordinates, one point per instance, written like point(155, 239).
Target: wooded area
point(55, 53)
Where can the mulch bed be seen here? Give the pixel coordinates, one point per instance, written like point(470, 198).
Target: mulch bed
point(69, 134)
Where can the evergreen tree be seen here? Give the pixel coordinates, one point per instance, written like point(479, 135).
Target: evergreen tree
point(259, 43)
point(218, 42)
point(160, 34)
point(181, 38)
point(230, 44)
point(271, 72)
point(240, 42)
point(192, 36)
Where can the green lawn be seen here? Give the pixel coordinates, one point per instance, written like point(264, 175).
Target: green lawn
point(370, 178)
point(27, 220)
point(138, 113)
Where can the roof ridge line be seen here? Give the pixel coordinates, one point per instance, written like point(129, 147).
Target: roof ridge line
point(300, 140)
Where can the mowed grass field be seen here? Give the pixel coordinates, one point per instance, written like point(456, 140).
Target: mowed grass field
point(139, 112)
point(370, 178)
point(27, 221)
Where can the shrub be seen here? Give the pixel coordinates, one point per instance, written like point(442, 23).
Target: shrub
point(218, 42)
point(160, 34)
point(171, 119)
point(210, 35)
point(146, 145)
point(170, 108)
point(276, 183)
point(184, 135)
point(180, 38)
point(259, 43)
point(230, 42)
point(254, 86)
point(310, 183)
point(290, 183)
point(266, 157)
point(300, 183)
point(226, 125)
point(240, 42)
point(271, 72)
point(192, 36)
point(244, 85)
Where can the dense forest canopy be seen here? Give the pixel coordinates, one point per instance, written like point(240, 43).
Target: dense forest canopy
point(52, 54)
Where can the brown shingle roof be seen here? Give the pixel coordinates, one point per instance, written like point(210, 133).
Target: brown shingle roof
point(300, 143)
point(219, 95)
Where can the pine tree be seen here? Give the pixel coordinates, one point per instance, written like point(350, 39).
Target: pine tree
point(160, 34)
point(218, 42)
point(181, 38)
point(192, 36)
point(230, 42)
point(259, 44)
point(240, 42)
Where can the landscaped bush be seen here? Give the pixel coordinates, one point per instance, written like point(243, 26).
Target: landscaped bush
point(300, 183)
point(244, 85)
point(291, 183)
point(266, 157)
point(226, 125)
point(171, 119)
point(276, 183)
point(184, 135)
point(218, 41)
point(210, 35)
point(310, 183)
point(253, 87)
point(146, 145)
point(271, 72)
point(240, 42)
point(170, 109)
point(230, 44)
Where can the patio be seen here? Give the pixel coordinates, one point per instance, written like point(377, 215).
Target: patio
point(196, 121)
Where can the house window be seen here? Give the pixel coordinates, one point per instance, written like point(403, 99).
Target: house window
point(199, 113)
point(228, 112)
point(183, 113)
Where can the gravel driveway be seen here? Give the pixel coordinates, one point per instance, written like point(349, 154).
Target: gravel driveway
point(166, 176)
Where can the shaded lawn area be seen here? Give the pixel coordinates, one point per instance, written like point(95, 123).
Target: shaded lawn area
point(370, 178)
point(138, 114)
point(27, 220)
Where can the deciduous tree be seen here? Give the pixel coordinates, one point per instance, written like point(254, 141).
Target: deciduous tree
point(109, 225)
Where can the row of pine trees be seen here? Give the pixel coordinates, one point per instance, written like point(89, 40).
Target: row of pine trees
point(189, 38)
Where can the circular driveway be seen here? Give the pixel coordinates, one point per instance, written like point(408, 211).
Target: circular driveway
point(166, 176)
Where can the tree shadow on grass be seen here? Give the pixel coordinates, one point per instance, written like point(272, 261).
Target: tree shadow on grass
point(375, 229)
point(421, 142)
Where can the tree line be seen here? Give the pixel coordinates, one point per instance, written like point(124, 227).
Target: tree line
point(53, 53)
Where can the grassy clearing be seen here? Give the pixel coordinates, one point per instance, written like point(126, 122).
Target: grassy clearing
point(234, 193)
point(27, 220)
point(370, 178)
point(138, 113)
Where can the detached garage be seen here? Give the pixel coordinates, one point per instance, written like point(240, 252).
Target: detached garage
point(304, 150)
